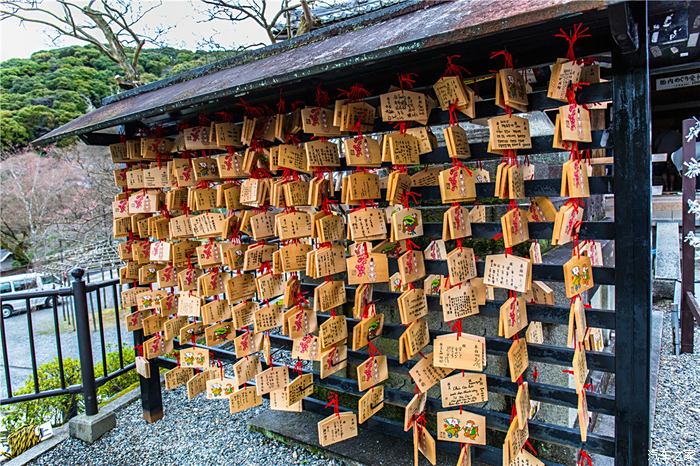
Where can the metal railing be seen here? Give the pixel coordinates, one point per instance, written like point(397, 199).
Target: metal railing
point(83, 303)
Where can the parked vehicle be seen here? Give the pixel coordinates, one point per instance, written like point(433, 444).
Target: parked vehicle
point(25, 282)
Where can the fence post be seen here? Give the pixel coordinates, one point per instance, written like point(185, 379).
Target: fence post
point(151, 397)
point(688, 258)
point(82, 321)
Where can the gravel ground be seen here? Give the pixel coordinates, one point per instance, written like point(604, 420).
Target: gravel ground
point(675, 438)
point(199, 431)
point(202, 431)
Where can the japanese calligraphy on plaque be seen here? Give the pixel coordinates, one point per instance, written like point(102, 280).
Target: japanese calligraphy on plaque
point(336, 428)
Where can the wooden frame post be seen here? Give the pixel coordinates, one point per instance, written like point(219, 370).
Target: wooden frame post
point(151, 396)
point(632, 140)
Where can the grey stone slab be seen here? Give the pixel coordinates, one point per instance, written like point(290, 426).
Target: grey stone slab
point(667, 264)
point(663, 288)
point(370, 447)
point(657, 319)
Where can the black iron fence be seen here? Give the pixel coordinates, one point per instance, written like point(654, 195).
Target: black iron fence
point(85, 312)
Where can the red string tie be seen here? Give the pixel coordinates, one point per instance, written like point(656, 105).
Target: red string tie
point(333, 401)
point(579, 32)
point(322, 97)
point(407, 80)
point(356, 92)
point(454, 69)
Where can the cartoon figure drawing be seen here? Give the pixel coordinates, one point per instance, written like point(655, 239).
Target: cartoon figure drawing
point(514, 88)
point(471, 430)
point(435, 286)
point(372, 330)
point(452, 427)
point(199, 359)
point(409, 224)
point(580, 275)
point(228, 389)
point(216, 389)
point(203, 169)
point(222, 333)
point(147, 300)
point(189, 358)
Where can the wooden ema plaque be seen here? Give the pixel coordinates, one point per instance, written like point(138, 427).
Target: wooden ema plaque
point(425, 375)
point(299, 388)
point(372, 371)
point(424, 443)
point(463, 389)
point(461, 427)
point(509, 272)
point(465, 351)
point(242, 399)
point(370, 403)
point(336, 428)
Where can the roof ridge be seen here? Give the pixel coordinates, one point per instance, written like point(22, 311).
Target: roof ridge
point(364, 20)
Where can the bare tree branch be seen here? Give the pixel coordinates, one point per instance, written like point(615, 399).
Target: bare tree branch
point(256, 10)
point(109, 25)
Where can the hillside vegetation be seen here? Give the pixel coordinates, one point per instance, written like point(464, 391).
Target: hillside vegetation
point(52, 87)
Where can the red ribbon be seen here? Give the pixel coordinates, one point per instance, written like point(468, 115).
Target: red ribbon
point(281, 104)
point(452, 109)
point(532, 449)
point(356, 92)
point(456, 326)
point(225, 116)
point(363, 205)
point(250, 110)
point(203, 120)
point(454, 69)
point(373, 351)
point(402, 126)
point(407, 80)
point(292, 139)
point(357, 127)
point(333, 401)
point(583, 456)
point(410, 195)
point(410, 245)
point(326, 204)
point(579, 32)
point(322, 97)
point(572, 89)
point(298, 367)
point(297, 104)
point(507, 57)
point(419, 420)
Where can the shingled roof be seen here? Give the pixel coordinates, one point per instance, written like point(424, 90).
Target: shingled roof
point(387, 33)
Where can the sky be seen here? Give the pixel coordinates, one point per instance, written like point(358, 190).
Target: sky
point(21, 40)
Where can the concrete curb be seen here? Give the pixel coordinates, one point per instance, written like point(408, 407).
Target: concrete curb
point(61, 433)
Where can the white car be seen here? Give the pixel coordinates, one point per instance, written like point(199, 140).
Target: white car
point(22, 283)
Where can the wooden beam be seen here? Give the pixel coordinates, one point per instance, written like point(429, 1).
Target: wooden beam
point(693, 306)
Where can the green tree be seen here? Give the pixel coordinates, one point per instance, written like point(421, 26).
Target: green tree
point(52, 87)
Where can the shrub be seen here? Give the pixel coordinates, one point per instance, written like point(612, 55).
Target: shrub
point(56, 409)
point(59, 409)
point(117, 384)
